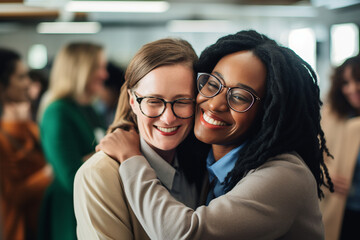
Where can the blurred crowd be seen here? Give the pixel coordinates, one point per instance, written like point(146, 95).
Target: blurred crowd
point(50, 123)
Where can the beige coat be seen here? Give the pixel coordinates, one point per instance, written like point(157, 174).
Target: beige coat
point(278, 200)
point(98, 187)
point(343, 141)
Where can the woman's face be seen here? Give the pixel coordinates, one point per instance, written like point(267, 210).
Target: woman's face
point(215, 122)
point(172, 82)
point(99, 75)
point(19, 82)
point(351, 88)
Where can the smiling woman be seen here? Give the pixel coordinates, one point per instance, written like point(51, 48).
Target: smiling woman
point(246, 83)
point(259, 108)
point(158, 100)
point(165, 130)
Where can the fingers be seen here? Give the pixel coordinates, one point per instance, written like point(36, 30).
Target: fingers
point(97, 148)
point(132, 130)
point(341, 185)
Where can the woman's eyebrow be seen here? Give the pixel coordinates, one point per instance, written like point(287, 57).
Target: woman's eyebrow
point(219, 75)
point(174, 97)
point(246, 87)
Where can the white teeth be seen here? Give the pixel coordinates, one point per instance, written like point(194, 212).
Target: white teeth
point(213, 121)
point(167, 130)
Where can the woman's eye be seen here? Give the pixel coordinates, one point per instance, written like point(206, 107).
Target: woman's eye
point(154, 101)
point(212, 84)
point(184, 102)
point(239, 98)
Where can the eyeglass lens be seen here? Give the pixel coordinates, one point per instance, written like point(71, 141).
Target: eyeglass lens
point(154, 107)
point(238, 99)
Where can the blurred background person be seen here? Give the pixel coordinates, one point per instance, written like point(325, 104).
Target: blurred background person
point(109, 94)
point(38, 86)
point(341, 124)
point(24, 174)
point(70, 129)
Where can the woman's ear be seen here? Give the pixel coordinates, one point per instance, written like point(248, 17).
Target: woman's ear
point(132, 101)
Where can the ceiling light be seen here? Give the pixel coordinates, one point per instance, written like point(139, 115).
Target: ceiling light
point(200, 26)
point(117, 6)
point(68, 27)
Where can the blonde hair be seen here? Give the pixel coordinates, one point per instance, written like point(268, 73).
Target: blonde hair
point(72, 68)
point(155, 54)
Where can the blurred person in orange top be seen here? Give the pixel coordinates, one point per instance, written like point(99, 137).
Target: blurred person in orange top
point(24, 174)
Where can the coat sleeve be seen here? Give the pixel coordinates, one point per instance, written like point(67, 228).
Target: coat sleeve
point(263, 205)
point(100, 207)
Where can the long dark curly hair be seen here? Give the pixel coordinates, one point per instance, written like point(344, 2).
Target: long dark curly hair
point(289, 119)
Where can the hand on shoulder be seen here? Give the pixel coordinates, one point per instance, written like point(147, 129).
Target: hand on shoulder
point(120, 144)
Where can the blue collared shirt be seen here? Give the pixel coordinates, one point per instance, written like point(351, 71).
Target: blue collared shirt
point(219, 170)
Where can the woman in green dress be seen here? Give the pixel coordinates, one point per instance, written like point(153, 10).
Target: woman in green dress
point(69, 130)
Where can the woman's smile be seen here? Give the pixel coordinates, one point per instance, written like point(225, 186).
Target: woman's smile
point(213, 121)
point(167, 131)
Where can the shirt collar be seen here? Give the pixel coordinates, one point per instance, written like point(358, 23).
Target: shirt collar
point(164, 171)
point(224, 165)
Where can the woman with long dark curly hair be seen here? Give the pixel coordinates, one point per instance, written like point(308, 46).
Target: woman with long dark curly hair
point(259, 107)
point(341, 124)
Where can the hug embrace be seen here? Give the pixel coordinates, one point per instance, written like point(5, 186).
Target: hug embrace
point(257, 124)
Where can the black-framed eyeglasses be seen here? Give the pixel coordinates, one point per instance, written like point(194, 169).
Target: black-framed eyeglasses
point(238, 99)
point(153, 107)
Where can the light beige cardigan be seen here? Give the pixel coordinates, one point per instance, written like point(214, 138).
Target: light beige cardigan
point(278, 200)
point(343, 140)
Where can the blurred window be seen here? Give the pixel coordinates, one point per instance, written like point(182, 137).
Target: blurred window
point(344, 42)
point(37, 56)
point(303, 42)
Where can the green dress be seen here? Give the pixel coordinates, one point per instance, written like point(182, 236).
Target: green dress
point(67, 133)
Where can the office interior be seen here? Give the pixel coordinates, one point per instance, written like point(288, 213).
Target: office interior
point(323, 32)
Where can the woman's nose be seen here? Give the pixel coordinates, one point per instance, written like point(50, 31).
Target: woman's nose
point(168, 116)
point(105, 74)
point(219, 102)
point(354, 86)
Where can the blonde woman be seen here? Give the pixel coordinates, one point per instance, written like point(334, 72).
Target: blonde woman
point(157, 99)
point(68, 128)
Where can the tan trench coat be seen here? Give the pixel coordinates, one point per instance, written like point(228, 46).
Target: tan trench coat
point(343, 141)
point(98, 191)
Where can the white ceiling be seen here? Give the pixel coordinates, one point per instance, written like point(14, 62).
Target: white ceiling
point(234, 10)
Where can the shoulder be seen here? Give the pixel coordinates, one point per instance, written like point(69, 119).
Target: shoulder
point(354, 124)
point(283, 175)
point(334, 125)
point(99, 168)
point(61, 104)
point(287, 160)
point(287, 166)
point(59, 107)
point(329, 118)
